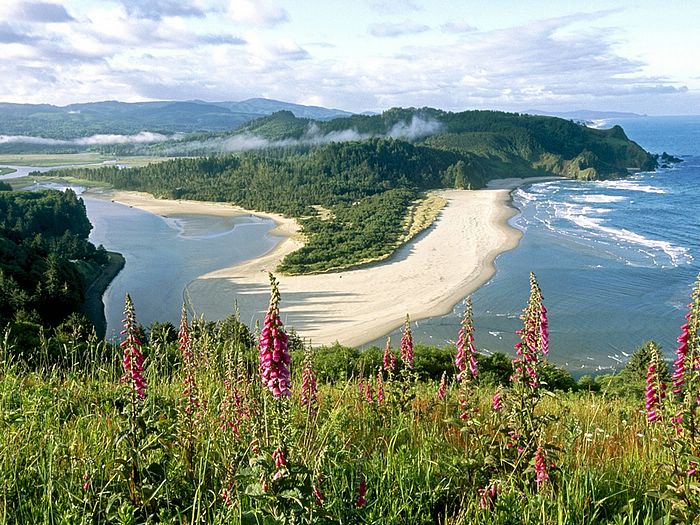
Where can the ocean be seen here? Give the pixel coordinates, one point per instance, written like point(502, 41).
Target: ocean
point(615, 260)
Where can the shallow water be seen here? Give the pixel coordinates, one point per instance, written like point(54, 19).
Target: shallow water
point(163, 255)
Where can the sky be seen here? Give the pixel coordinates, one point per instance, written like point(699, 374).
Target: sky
point(361, 55)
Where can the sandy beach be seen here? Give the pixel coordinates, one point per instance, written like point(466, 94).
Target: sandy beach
point(424, 278)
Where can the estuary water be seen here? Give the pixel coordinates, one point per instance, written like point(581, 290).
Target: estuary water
point(615, 259)
point(163, 255)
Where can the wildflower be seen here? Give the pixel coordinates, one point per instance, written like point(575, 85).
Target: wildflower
point(466, 353)
point(380, 388)
point(679, 364)
point(442, 388)
point(226, 496)
point(86, 481)
point(361, 493)
point(280, 459)
point(534, 338)
point(388, 359)
point(488, 497)
point(274, 352)
point(133, 358)
point(655, 389)
point(544, 329)
point(407, 344)
point(541, 471)
point(692, 468)
point(497, 401)
point(368, 392)
point(308, 385)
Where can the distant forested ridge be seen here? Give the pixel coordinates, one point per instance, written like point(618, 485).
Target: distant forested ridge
point(46, 261)
point(112, 117)
point(367, 172)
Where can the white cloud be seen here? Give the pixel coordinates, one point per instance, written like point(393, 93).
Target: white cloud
point(407, 27)
point(457, 26)
point(40, 12)
point(108, 52)
point(260, 13)
point(394, 7)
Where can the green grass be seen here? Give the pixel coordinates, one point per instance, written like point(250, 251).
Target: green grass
point(61, 429)
point(6, 171)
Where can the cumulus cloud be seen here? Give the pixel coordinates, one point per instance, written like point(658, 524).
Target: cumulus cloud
point(112, 52)
point(261, 13)
point(394, 7)
point(457, 26)
point(391, 30)
point(158, 9)
point(42, 12)
point(9, 35)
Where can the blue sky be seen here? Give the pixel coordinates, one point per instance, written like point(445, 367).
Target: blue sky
point(611, 55)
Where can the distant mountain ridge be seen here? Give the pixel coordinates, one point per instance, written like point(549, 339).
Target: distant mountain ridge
point(113, 117)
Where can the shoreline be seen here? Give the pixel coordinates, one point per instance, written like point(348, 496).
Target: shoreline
point(426, 277)
point(93, 306)
point(357, 306)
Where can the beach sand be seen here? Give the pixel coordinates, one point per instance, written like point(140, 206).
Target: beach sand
point(424, 278)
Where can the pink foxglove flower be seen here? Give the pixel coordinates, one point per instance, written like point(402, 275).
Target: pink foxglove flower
point(541, 469)
point(407, 344)
point(274, 350)
point(442, 388)
point(679, 365)
point(132, 360)
point(534, 339)
point(389, 359)
point(369, 398)
point(465, 360)
point(318, 495)
point(487, 501)
point(497, 401)
point(309, 386)
point(544, 330)
point(380, 388)
point(655, 388)
point(280, 459)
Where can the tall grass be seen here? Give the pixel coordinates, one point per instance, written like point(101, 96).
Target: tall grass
point(67, 455)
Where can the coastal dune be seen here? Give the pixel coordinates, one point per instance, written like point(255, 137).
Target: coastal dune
point(425, 277)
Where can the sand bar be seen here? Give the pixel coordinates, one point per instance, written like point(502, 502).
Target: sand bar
point(424, 278)
point(286, 227)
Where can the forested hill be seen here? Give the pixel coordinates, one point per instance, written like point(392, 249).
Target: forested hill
point(76, 121)
point(353, 199)
point(505, 144)
point(353, 182)
point(46, 261)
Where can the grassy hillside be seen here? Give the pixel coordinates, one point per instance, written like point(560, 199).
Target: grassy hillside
point(178, 427)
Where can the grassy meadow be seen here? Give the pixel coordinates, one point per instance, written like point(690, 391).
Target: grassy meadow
point(179, 428)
